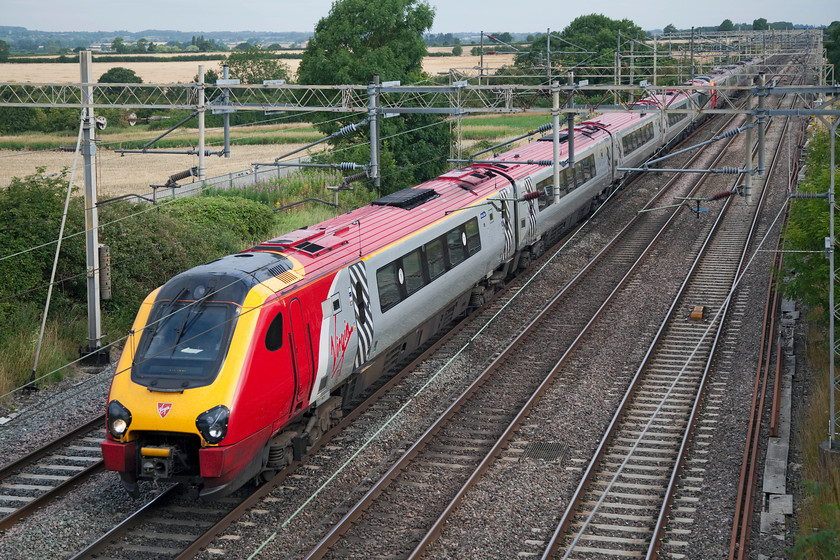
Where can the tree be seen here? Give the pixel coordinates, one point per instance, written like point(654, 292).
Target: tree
point(832, 44)
point(808, 225)
point(4, 51)
point(726, 25)
point(120, 75)
point(119, 46)
point(358, 39)
point(760, 24)
point(669, 28)
point(505, 37)
point(253, 65)
point(594, 33)
point(457, 50)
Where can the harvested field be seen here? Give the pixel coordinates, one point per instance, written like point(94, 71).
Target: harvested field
point(168, 72)
point(119, 175)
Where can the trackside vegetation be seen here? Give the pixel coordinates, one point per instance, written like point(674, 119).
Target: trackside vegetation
point(148, 245)
point(806, 272)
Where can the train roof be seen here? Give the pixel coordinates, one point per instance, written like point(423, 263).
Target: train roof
point(342, 240)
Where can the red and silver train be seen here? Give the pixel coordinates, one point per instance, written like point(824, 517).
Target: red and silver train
point(235, 366)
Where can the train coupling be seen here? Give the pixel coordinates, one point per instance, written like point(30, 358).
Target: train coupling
point(157, 462)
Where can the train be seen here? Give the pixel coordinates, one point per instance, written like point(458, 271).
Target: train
point(233, 368)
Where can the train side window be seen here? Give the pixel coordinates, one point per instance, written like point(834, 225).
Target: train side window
point(389, 287)
point(547, 186)
point(473, 237)
point(434, 258)
point(360, 303)
point(455, 242)
point(413, 268)
point(274, 334)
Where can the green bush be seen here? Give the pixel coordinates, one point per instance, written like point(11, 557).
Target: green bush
point(148, 246)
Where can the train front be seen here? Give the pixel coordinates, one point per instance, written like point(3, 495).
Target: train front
point(178, 408)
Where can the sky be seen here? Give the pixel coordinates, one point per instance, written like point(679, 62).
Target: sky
point(450, 15)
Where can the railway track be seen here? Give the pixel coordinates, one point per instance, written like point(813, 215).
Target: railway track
point(50, 472)
point(481, 418)
point(120, 542)
point(417, 491)
point(627, 493)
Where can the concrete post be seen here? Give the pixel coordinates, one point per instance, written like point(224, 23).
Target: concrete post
point(91, 211)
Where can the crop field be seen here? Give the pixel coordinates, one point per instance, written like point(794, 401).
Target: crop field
point(21, 156)
point(170, 72)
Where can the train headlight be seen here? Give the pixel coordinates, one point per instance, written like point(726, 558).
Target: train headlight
point(213, 424)
point(119, 419)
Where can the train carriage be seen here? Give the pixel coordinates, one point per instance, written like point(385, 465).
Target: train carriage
point(235, 366)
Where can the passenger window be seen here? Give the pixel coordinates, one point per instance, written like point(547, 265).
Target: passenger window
point(455, 241)
point(473, 237)
point(434, 257)
point(389, 288)
point(274, 334)
point(413, 268)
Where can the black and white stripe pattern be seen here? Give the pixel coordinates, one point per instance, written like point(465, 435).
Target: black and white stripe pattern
point(507, 217)
point(358, 276)
point(531, 234)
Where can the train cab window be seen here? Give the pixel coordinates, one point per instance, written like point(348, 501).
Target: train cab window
point(473, 237)
point(456, 241)
point(274, 334)
point(434, 258)
point(389, 286)
point(413, 268)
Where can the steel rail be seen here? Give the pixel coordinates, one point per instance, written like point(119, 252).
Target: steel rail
point(583, 486)
point(742, 520)
point(353, 514)
point(436, 529)
point(681, 457)
point(53, 494)
point(100, 544)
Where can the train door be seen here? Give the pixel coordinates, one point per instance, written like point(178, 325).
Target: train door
point(301, 354)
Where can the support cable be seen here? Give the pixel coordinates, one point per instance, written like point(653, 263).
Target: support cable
point(58, 247)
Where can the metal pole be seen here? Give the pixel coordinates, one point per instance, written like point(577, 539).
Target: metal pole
point(762, 81)
point(570, 121)
point(548, 54)
point(831, 372)
point(692, 54)
point(748, 155)
point(373, 116)
point(617, 78)
point(226, 116)
point(555, 137)
point(481, 58)
point(632, 71)
point(654, 59)
point(91, 211)
point(200, 109)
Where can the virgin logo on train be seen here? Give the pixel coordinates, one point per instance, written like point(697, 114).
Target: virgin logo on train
point(164, 408)
point(339, 348)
